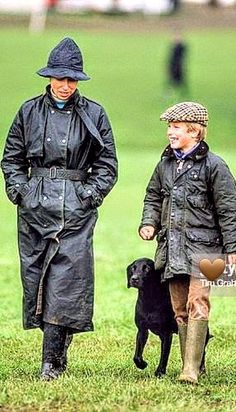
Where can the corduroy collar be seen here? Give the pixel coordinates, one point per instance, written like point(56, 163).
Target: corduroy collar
point(184, 155)
point(198, 154)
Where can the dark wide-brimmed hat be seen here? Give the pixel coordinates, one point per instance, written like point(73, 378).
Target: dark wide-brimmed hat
point(186, 112)
point(65, 60)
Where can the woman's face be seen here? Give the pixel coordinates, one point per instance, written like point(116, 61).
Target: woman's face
point(63, 88)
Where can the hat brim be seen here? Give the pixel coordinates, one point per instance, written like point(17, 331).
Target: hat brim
point(61, 73)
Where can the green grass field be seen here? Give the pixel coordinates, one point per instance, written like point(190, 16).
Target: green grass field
point(128, 75)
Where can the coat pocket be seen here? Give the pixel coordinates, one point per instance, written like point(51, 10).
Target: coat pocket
point(161, 251)
point(202, 244)
point(204, 236)
point(200, 202)
point(30, 194)
point(164, 210)
point(85, 201)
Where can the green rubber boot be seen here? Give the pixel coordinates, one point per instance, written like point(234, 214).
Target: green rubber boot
point(182, 328)
point(194, 349)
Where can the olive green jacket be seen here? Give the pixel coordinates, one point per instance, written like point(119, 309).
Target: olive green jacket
point(193, 210)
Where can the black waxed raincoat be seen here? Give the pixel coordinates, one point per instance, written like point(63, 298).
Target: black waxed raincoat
point(193, 210)
point(57, 212)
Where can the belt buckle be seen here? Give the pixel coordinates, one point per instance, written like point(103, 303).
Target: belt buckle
point(53, 172)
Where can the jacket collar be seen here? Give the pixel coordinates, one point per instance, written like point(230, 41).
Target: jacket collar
point(78, 102)
point(200, 152)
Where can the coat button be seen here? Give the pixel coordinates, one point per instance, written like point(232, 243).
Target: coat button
point(60, 197)
point(48, 139)
point(89, 192)
point(175, 187)
point(68, 112)
point(52, 111)
point(63, 140)
point(17, 185)
point(189, 166)
point(44, 197)
point(172, 214)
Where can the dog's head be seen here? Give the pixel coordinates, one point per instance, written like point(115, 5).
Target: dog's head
point(139, 271)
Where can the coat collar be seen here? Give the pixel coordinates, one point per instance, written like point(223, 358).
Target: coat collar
point(40, 115)
point(200, 152)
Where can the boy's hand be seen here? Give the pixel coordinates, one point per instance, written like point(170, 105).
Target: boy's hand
point(232, 258)
point(147, 232)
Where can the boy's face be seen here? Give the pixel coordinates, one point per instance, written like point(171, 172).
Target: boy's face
point(180, 137)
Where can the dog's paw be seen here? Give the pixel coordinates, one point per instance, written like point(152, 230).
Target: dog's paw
point(202, 369)
point(140, 363)
point(159, 373)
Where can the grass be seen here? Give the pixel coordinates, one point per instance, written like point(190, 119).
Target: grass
point(128, 78)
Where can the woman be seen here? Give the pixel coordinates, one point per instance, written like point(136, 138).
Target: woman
point(59, 163)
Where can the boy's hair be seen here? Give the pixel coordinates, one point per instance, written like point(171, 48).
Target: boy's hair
point(196, 127)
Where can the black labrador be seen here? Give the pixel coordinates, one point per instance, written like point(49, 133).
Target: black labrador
point(153, 312)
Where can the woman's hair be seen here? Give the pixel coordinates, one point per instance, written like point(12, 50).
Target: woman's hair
point(196, 127)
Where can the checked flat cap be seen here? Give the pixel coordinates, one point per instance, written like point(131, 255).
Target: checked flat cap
point(186, 112)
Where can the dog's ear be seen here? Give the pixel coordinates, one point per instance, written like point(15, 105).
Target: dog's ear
point(149, 265)
point(152, 266)
point(128, 271)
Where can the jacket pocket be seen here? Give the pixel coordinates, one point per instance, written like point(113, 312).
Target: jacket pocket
point(24, 189)
point(204, 236)
point(164, 210)
point(29, 194)
point(84, 199)
point(161, 252)
point(200, 202)
point(202, 244)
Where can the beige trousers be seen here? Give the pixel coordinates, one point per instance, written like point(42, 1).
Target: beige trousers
point(190, 299)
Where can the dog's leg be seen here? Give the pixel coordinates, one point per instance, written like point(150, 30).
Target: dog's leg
point(166, 342)
point(141, 340)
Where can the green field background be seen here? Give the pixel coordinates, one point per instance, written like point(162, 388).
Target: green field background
point(129, 79)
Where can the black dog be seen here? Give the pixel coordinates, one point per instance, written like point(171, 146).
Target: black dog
point(153, 312)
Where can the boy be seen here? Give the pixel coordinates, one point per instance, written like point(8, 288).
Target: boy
point(190, 204)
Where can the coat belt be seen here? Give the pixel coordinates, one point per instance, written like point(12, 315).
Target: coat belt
point(58, 173)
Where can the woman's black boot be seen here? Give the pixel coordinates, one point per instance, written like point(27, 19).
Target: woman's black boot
point(54, 339)
point(64, 356)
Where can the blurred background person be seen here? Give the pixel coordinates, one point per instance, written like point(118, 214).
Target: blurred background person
point(213, 3)
point(176, 67)
point(175, 4)
point(176, 85)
